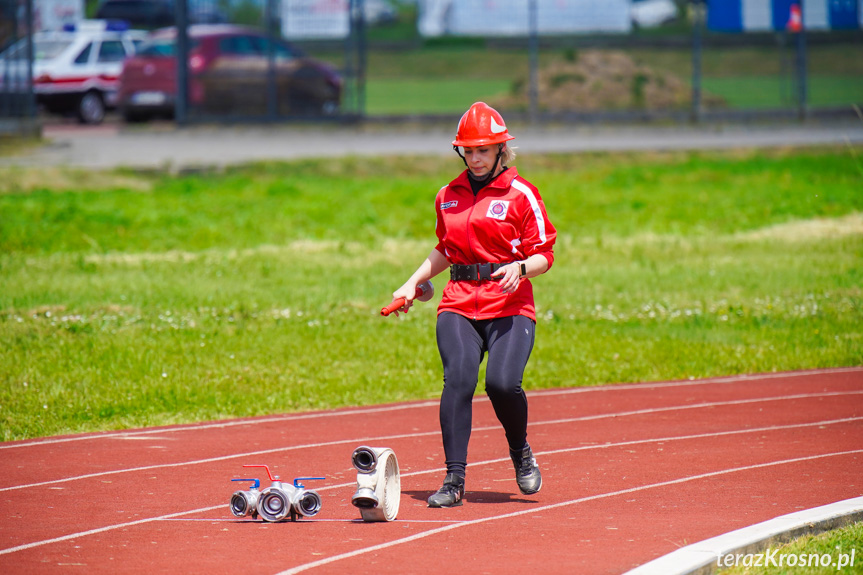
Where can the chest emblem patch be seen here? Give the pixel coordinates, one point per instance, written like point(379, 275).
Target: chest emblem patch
point(497, 210)
point(445, 205)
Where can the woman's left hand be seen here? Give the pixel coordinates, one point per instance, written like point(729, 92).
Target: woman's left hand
point(510, 277)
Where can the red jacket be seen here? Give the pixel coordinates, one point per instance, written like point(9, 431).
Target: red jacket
point(504, 222)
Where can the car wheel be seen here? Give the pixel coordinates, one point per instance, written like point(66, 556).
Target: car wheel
point(133, 116)
point(310, 106)
point(91, 108)
point(330, 108)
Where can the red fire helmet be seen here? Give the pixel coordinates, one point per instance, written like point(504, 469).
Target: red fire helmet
point(481, 125)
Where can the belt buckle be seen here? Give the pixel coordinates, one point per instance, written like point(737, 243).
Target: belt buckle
point(463, 272)
point(484, 271)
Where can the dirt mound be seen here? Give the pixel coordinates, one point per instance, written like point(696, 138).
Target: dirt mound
point(603, 80)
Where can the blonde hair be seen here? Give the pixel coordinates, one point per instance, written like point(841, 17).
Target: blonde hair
point(508, 156)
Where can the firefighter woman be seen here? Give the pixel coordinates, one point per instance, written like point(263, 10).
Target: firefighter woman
point(494, 235)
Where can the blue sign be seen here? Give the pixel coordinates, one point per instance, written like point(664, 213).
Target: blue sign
point(774, 15)
point(846, 14)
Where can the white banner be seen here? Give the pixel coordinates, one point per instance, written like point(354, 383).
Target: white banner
point(54, 14)
point(315, 19)
point(511, 18)
point(815, 15)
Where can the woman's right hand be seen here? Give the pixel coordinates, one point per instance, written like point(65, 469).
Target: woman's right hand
point(407, 291)
point(434, 264)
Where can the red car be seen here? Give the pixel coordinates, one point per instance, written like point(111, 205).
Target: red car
point(228, 75)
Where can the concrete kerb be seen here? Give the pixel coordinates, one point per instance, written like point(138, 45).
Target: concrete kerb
point(701, 558)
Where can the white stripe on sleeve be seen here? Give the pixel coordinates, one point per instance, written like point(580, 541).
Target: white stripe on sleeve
point(534, 205)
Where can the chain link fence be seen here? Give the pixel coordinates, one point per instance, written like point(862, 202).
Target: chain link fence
point(623, 60)
point(541, 60)
point(17, 101)
point(203, 60)
point(270, 60)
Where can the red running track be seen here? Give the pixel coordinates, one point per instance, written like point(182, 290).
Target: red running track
point(631, 472)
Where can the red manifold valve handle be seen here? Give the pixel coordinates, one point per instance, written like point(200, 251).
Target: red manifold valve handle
point(425, 291)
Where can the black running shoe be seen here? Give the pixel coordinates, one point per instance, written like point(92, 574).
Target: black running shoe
point(450, 494)
point(526, 470)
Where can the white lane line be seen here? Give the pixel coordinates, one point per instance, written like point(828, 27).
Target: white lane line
point(98, 530)
point(219, 425)
point(304, 520)
point(676, 438)
point(437, 470)
point(652, 410)
point(426, 433)
point(404, 406)
point(220, 458)
point(429, 533)
point(708, 381)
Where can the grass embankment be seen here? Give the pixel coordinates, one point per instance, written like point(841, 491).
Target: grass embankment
point(145, 299)
point(837, 551)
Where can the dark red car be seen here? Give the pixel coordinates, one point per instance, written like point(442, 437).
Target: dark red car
point(228, 75)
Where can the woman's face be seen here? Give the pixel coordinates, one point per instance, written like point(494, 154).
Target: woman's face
point(481, 160)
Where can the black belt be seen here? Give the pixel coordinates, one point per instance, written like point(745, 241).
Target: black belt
point(474, 272)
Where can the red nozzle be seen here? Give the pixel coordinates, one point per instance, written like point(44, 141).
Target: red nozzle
point(398, 303)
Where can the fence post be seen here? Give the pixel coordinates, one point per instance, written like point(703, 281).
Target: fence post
point(272, 38)
point(697, 23)
point(355, 61)
point(181, 105)
point(802, 75)
point(362, 49)
point(533, 50)
point(30, 111)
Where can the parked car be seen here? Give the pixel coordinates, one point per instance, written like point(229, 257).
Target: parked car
point(151, 14)
point(228, 75)
point(75, 70)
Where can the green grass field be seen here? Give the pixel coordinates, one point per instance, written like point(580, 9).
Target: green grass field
point(836, 551)
point(145, 299)
point(419, 96)
point(440, 78)
point(433, 96)
point(781, 91)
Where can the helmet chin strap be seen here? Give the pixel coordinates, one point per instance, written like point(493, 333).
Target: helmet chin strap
point(490, 175)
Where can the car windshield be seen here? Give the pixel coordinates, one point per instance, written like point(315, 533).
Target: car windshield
point(43, 49)
point(250, 45)
point(285, 50)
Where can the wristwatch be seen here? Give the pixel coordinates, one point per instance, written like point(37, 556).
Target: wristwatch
point(523, 268)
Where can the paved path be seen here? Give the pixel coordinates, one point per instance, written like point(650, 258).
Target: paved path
point(165, 146)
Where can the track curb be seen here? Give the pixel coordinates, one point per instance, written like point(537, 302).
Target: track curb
point(701, 558)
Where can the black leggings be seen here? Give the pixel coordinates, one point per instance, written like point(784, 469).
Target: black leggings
point(463, 343)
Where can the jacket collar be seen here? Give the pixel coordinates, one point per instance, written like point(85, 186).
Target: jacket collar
point(503, 181)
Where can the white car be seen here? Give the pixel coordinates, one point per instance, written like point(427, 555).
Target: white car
point(75, 70)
